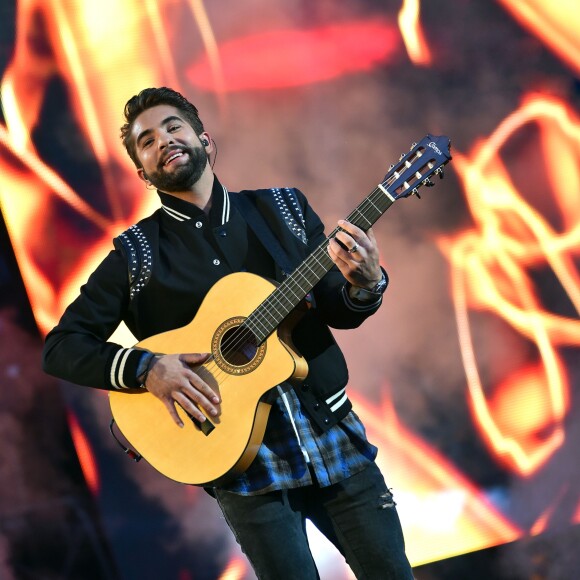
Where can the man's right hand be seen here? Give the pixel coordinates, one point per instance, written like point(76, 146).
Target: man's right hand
point(172, 380)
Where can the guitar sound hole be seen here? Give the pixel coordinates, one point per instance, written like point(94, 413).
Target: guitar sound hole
point(238, 346)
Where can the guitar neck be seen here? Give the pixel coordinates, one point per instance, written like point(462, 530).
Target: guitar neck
point(413, 170)
point(272, 311)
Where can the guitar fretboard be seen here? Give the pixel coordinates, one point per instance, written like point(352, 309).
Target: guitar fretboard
point(272, 311)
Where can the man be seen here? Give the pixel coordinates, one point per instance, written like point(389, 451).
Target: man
point(315, 461)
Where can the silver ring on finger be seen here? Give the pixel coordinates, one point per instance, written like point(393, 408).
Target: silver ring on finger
point(353, 249)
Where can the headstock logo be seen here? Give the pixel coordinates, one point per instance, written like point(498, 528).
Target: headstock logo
point(435, 148)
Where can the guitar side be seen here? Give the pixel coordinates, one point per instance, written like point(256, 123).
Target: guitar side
point(188, 454)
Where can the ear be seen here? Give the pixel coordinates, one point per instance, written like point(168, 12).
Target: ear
point(142, 175)
point(206, 137)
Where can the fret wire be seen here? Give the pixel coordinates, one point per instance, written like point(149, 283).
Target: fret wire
point(375, 204)
point(252, 326)
point(313, 258)
point(379, 201)
point(360, 209)
point(287, 284)
point(305, 266)
point(319, 262)
point(368, 223)
point(279, 314)
point(371, 202)
point(271, 317)
point(262, 310)
point(291, 290)
point(262, 318)
point(305, 284)
point(274, 299)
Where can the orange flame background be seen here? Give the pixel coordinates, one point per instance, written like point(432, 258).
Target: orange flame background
point(105, 52)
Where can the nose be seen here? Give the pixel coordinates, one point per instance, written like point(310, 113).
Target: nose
point(164, 140)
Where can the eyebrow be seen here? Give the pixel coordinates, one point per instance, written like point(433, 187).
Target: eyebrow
point(164, 122)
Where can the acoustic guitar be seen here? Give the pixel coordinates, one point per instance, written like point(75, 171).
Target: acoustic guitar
point(245, 322)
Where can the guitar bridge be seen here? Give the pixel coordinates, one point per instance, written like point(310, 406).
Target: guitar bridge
point(206, 427)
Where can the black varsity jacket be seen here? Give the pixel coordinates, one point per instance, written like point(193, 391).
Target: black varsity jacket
point(159, 271)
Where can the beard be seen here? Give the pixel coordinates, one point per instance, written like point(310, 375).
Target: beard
point(183, 177)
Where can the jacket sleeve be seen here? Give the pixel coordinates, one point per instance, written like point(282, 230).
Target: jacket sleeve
point(77, 349)
point(333, 303)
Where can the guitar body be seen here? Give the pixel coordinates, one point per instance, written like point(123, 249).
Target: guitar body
point(245, 322)
point(241, 371)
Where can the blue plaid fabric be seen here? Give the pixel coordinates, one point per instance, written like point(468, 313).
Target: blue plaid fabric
point(281, 462)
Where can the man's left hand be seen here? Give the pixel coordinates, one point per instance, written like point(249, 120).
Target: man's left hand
point(356, 255)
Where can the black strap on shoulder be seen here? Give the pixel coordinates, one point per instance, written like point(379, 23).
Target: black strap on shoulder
point(263, 231)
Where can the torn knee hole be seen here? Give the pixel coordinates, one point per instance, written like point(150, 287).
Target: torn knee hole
point(386, 500)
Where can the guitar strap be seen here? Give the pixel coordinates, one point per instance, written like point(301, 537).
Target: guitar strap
point(263, 231)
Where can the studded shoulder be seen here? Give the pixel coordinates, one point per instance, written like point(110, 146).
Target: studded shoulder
point(288, 206)
point(139, 258)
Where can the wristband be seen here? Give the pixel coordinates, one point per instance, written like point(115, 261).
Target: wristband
point(148, 366)
point(368, 294)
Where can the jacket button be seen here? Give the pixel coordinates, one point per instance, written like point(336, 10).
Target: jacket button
point(198, 225)
point(216, 262)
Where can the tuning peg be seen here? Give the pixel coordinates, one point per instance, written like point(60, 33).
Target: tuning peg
point(415, 191)
point(440, 172)
point(391, 167)
point(428, 183)
point(402, 156)
point(413, 145)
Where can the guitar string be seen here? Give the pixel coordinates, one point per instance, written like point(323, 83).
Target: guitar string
point(377, 192)
point(250, 327)
point(256, 325)
point(263, 310)
point(278, 299)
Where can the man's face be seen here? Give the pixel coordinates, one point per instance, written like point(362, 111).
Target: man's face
point(168, 148)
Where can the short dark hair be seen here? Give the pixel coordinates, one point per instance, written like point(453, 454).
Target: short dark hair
point(152, 97)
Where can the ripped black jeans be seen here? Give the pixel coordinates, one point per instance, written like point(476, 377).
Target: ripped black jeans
point(357, 515)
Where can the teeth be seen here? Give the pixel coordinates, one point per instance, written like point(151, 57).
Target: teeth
point(178, 154)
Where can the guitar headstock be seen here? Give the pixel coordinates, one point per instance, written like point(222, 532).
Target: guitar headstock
point(415, 168)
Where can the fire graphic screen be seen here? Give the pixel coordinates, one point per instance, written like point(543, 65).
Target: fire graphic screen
point(467, 377)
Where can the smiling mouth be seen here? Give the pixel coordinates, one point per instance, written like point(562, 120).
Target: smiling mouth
point(172, 157)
